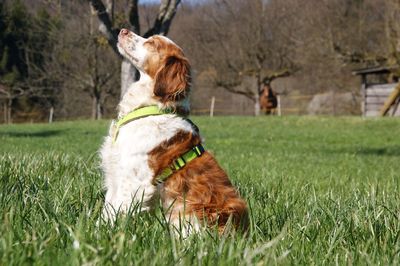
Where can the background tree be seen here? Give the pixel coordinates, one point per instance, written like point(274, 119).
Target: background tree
point(52, 55)
point(44, 84)
point(110, 28)
point(95, 68)
point(244, 46)
point(392, 32)
point(25, 49)
point(15, 22)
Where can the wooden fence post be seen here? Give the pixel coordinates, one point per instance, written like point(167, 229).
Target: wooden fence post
point(278, 98)
point(212, 106)
point(51, 114)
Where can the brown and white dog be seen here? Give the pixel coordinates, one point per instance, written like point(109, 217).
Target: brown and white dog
point(199, 194)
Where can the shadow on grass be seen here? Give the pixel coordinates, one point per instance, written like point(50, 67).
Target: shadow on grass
point(374, 151)
point(39, 134)
point(387, 151)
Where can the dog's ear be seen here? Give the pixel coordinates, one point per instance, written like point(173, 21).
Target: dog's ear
point(172, 81)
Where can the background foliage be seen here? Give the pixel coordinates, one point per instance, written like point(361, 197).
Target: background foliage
point(54, 56)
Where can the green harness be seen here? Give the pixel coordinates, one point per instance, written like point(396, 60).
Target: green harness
point(137, 114)
point(179, 162)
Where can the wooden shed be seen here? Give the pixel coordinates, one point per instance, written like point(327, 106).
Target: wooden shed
point(377, 86)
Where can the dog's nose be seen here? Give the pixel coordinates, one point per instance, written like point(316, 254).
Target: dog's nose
point(124, 32)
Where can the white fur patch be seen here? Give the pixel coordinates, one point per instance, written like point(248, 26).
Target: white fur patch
point(132, 47)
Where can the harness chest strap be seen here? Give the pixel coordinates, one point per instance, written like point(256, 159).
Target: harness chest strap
point(137, 114)
point(179, 163)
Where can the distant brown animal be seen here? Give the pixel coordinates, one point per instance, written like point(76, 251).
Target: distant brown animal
point(268, 100)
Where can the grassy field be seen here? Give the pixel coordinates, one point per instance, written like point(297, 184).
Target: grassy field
point(321, 191)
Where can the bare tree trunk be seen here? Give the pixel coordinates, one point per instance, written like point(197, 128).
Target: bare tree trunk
point(257, 96)
point(334, 102)
point(94, 108)
point(256, 105)
point(9, 108)
point(98, 110)
point(5, 112)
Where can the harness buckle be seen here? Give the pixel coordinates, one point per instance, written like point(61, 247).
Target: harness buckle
point(198, 149)
point(179, 163)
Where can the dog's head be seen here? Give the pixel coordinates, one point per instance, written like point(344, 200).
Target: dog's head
point(160, 59)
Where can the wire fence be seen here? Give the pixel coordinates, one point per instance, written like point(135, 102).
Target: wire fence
point(220, 105)
point(287, 105)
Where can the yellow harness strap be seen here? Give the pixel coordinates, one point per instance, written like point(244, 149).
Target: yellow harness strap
point(137, 114)
point(179, 163)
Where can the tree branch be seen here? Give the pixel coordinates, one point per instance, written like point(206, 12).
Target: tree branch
point(247, 94)
point(134, 16)
point(106, 24)
point(269, 77)
point(163, 21)
point(231, 88)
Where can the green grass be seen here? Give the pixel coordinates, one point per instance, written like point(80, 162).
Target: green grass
point(321, 191)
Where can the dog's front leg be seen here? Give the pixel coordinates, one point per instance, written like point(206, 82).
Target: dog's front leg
point(109, 211)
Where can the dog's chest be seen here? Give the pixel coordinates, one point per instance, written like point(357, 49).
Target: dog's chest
point(125, 161)
point(129, 151)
